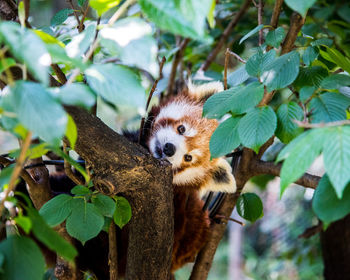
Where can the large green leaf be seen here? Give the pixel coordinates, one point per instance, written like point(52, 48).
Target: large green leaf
point(117, 84)
point(310, 54)
point(325, 203)
point(336, 154)
point(225, 138)
point(76, 94)
point(259, 61)
point(81, 42)
point(339, 59)
point(49, 237)
point(183, 17)
point(38, 111)
point(310, 76)
point(5, 176)
point(300, 6)
point(23, 259)
point(27, 48)
point(281, 72)
point(102, 6)
point(251, 33)
point(286, 128)
point(237, 77)
point(122, 214)
point(336, 81)
point(275, 37)
point(250, 207)
point(57, 209)
point(104, 204)
point(237, 100)
point(61, 16)
point(131, 41)
point(299, 154)
point(256, 127)
point(85, 221)
point(329, 107)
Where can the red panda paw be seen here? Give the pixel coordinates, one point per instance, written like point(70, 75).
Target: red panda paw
point(221, 179)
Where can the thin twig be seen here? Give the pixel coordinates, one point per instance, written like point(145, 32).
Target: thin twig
point(59, 73)
point(237, 56)
point(17, 170)
point(321, 124)
point(177, 59)
point(311, 231)
point(225, 35)
point(81, 24)
point(68, 168)
point(260, 21)
point(227, 55)
point(229, 219)
point(150, 97)
point(70, 2)
point(120, 11)
point(113, 253)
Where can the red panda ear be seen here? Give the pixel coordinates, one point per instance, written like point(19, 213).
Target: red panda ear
point(221, 179)
point(204, 91)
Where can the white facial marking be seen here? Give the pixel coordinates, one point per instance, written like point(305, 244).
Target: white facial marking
point(175, 110)
point(190, 131)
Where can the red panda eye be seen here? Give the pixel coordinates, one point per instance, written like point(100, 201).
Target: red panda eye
point(187, 157)
point(181, 129)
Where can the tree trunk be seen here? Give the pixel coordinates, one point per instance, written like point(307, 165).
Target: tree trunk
point(335, 243)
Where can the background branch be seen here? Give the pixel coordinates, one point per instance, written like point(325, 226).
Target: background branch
point(276, 13)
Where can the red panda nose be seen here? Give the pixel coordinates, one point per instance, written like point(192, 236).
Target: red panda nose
point(169, 149)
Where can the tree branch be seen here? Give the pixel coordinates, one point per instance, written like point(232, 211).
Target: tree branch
point(260, 21)
point(266, 167)
point(276, 13)
point(113, 253)
point(296, 23)
point(225, 35)
point(177, 59)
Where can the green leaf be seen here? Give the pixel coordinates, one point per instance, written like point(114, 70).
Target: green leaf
point(310, 76)
point(339, 59)
point(38, 150)
point(6, 63)
point(251, 33)
point(27, 48)
point(299, 154)
point(237, 77)
point(122, 214)
point(38, 111)
point(81, 42)
point(5, 175)
point(76, 94)
point(102, 6)
point(116, 84)
point(259, 61)
point(322, 42)
point(183, 17)
point(57, 209)
point(60, 16)
point(47, 38)
point(310, 54)
point(81, 2)
point(281, 72)
point(305, 93)
point(286, 128)
point(250, 207)
point(24, 222)
point(335, 81)
point(256, 127)
point(300, 6)
point(325, 203)
point(80, 190)
point(132, 43)
point(236, 100)
point(329, 107)
point(275, 37)
point(22, 257)
point(211, 14)
point(71, 132)
point(85, 222)
point(225, 138)
point(21, 13)
point(336, 155)
point(49, 237)
point(104, 204)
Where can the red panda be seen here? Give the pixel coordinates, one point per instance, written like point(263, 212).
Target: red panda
point(180, 134)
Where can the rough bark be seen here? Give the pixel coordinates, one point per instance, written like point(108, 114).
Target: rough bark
point(127, 169)
point(335, 242)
